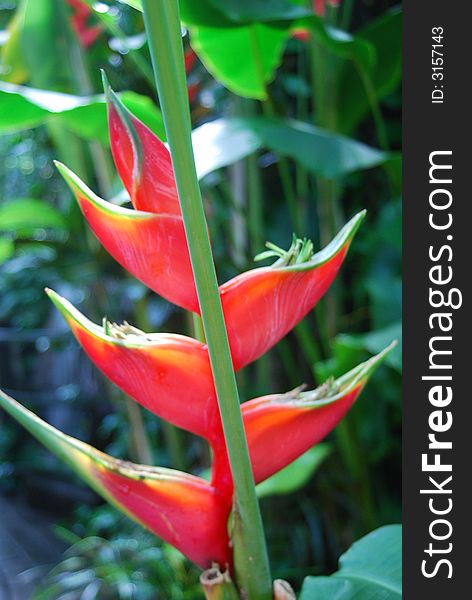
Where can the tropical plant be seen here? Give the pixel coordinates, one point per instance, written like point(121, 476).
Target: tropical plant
point(190, 382)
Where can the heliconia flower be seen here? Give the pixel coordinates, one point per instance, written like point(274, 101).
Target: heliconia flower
point(168, 374)
point(182, 509)
point(262, 305)
point(152, 247)
point(279, 428)
point(86, 34)
point(142, 160)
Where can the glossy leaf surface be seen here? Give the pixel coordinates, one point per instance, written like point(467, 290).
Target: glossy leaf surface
point(371, 569)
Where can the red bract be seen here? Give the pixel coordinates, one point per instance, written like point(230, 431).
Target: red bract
point(261, 306)
point(142, 161)
point(170, 375)
point(279, 428)
point(182, 509)
point(152, 247)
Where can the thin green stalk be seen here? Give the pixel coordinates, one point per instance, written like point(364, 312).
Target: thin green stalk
point(138, 440)
point(162, 23)
point(308, 345)
point(301, 174)
point(254, 194)
point(352, 454)
point(269, 111)
point(325, 88)
point(346, 14)
point(80, 80)
point(255, 226)
point(289, 362)
point(134, 55)
point(218, 585)
point(198, 331)
point(381, 131)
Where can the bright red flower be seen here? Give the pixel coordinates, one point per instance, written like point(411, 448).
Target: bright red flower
point(143, 162)
point(281, 427)
point(183, 510)
point(168, 374)
point(152, 247)
point(260, 306)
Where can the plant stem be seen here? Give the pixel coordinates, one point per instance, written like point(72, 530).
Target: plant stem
point(269, 111)
point(162, 22)
point(325, 69)
point(218, 585)
point(138, 441)
point(381, 131)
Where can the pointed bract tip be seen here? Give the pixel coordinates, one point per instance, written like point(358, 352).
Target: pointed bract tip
point(105, 82)
point(353, 224)
point(62, 305)
point(365, 370)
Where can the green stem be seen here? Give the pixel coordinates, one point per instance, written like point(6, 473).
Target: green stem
point(381, 131)
point(139, 443)
point(218, 585)
point(347, 8)
point(162, 23)
point(254, 195)
point(269, 111)
point(353, 456)
point(325, 88)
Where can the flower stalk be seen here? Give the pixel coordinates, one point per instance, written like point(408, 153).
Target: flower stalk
point(164, 35)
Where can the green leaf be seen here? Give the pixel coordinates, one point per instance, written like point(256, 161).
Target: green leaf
point(342, 44)
point(243, 59)
point(133, 3)
point(6, 250)
point(214, 13)
point(295, 475)
point(27, 214)
point(222, 142)
point(370, 570)
point(323, 153)
point(374, 341)
point(250, 11)
point(385, 36)
point(43, 39)
point(14, 68)
point(23, 107)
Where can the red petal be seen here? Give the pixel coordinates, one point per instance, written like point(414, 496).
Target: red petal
point(168, 374)
point(142, 161)
point(183, 510)
point(151, 247)
point(261, 306)
point(280, 428)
